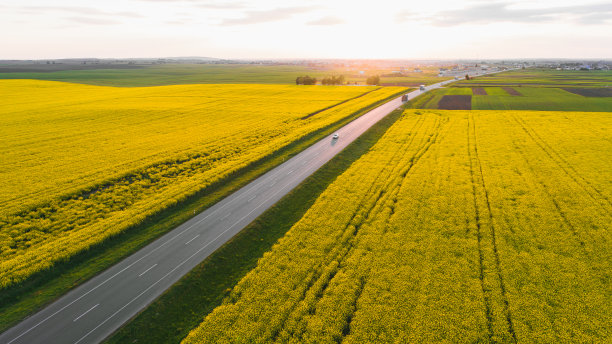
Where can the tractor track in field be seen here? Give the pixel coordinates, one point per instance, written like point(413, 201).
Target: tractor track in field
point(565, 165)
point(492, 229)
point(339, 252)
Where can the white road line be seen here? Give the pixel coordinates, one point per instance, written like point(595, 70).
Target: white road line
point(273, 182)
point(192, 239)
point(252, 198)
point(290, 172)
point(147, 270)
point(89, 310)
point(225, 217)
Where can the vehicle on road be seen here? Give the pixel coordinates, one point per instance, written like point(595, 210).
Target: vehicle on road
point(404, 98)
point(422, 87)
point(336, 136)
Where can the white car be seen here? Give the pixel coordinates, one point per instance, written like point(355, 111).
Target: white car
point(336, 136)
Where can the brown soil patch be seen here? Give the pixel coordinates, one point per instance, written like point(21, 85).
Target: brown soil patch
point(591, 92)
point(479, 91)
point(455, 102)
point(511, 91)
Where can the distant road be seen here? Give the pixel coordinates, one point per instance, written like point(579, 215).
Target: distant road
point(97, 308)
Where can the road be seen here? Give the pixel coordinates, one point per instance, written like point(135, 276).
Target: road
point(97, 308)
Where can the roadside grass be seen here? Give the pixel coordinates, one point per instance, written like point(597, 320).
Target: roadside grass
point(170, 318)
point(42, 288)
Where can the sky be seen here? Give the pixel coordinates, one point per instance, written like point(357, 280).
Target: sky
point(272, 29)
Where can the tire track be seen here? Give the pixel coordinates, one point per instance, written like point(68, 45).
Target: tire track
point(564, 165)
point(485, 292)
point(343, 248)
point(493, 234)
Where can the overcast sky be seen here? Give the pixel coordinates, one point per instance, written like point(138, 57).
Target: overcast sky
point(38, 29)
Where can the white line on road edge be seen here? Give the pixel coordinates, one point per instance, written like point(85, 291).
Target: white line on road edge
point(187, 243)
point(147, 270)
point(89, 310)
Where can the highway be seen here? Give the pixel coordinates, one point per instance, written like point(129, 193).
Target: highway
point(97, 308)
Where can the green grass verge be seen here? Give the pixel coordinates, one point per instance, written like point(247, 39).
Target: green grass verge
point(20, 300)
point(170, 318)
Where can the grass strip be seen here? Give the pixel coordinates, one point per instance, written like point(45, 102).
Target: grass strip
point(182, 307)
point(23, 299)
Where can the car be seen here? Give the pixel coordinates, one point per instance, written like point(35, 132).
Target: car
point(336, 136)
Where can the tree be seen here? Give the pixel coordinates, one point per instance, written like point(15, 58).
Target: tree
point(373, 80)
point(333, 80)
point(467, 77)
point(305, 80)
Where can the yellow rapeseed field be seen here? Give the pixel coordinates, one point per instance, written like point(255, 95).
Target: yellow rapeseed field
point(82, 163)
point(456, 227)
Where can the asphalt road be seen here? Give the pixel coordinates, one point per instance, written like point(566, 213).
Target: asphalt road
point(97, 308)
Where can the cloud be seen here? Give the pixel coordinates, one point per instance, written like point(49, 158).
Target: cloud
point(92, 21)
point(326, 21)
point(221, 5)
point(89, 11)
point(258, 17)
point(503, 12)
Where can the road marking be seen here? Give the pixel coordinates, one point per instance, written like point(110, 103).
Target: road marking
point(192, 239)
point(225, 217)
point(303, 163)
point(252, 198)
point(147, 270)
point(89, 310)
point(290, 172)
point(273, 182)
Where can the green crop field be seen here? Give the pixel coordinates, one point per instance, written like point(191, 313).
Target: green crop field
point(530, 98)
point(543, 78)
point(173, 74)
point(457, 226)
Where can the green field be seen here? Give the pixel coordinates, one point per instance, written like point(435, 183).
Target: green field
point(174, 74)
point(531, 98)
point(544, 78)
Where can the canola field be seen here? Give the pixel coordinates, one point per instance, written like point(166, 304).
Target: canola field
point(82, 163)
point(457, 226)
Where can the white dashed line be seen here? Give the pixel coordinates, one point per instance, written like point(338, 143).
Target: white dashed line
point(192, 239)
point(147, 270)
point(89, 310)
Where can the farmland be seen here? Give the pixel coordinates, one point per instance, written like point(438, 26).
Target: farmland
point(521, 98)
point(457, 226)
point(84, 163)
point(173, 74)
point(543, 78)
